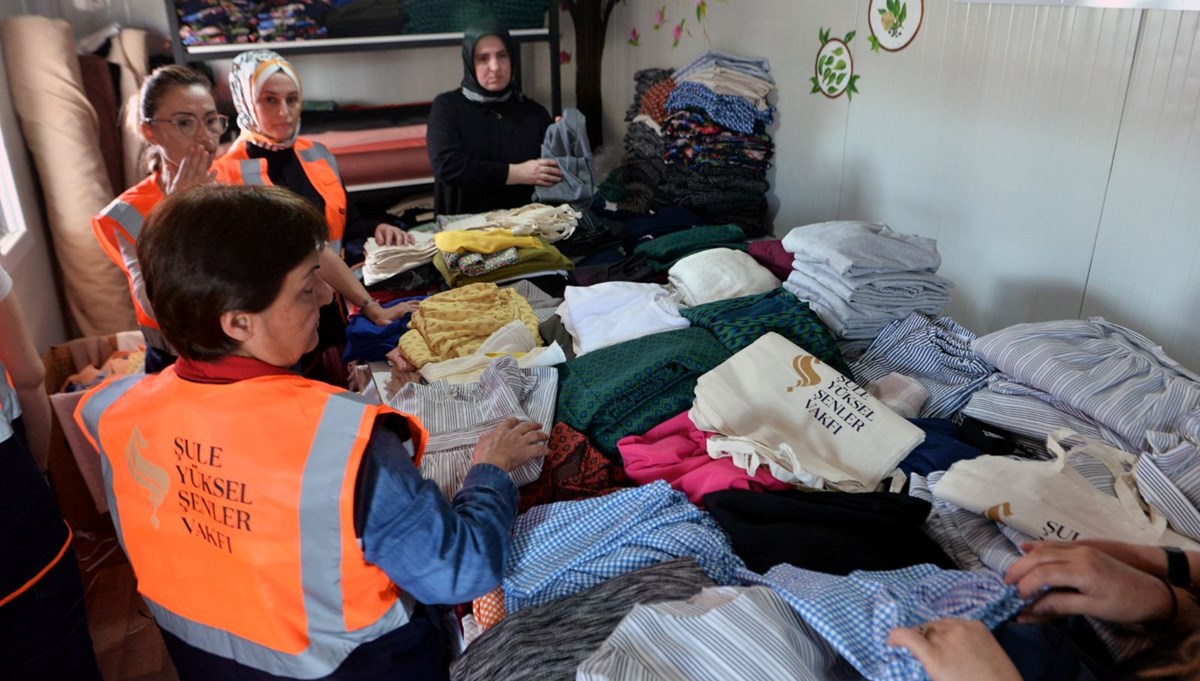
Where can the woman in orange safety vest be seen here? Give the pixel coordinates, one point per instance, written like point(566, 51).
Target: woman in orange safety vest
point(278, 526)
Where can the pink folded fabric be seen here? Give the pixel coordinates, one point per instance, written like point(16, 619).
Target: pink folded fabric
point(675, 451)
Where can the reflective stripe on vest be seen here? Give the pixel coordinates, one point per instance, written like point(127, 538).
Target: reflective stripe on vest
point(10, 409)
point(124, 253)
point(324, 485)
point(236, 167)
point(252, 172)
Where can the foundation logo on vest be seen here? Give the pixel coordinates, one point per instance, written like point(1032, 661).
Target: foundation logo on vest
point(147, 474)
point(805, 366)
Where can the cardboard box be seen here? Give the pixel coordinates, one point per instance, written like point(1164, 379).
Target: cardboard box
point(74, 465)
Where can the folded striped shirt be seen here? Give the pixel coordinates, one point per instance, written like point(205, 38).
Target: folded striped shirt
point(936, 352)
point(722, 633)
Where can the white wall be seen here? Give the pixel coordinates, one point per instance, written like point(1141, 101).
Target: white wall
point(1050, 150)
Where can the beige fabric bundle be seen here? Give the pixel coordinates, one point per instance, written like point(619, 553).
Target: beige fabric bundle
point(61, 130)
point(549, 222)
point(781, 407)
point(384, 262)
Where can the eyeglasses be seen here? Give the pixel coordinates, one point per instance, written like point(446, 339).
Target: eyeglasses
point(186, 123)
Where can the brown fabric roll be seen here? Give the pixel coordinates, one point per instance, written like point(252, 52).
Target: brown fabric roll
point(61, 130)
point(130, 51)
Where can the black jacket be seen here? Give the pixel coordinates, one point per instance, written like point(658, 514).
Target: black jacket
point(471, 145)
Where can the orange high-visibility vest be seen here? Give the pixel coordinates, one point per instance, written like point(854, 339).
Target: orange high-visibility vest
point(118, 228)
point(236, 167)
point(235, 505)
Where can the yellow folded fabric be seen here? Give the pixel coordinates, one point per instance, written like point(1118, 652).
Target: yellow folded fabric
point(455, 323)
point(482, 241)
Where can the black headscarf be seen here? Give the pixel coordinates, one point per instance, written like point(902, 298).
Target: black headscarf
point(470, 85)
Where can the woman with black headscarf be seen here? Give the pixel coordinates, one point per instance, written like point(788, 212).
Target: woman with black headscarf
point(485, 138)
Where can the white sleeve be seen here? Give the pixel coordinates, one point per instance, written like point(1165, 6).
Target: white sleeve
point(5, 284)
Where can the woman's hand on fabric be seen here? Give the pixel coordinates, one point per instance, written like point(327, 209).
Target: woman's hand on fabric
point(956, 650)
point(541, 172)
point(194, 170)
point(382, 316)
point(1067, 578)
point(510, 444)
point(390, 235)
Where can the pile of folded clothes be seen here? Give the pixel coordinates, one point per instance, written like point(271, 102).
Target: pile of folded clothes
point(861, 276)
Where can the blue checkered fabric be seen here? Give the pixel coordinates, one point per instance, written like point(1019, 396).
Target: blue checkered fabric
point(728, 111)
point(856, 613)
point(563, 548)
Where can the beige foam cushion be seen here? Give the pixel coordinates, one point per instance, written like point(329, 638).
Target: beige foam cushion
point(61, 130)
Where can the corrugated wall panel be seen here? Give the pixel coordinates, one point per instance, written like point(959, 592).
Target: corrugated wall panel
point(1146, 273)
point(993, 132)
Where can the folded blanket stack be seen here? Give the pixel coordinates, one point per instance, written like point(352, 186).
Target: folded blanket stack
point(861, 276)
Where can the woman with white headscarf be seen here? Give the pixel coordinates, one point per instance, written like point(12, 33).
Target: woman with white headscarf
point(267, 94)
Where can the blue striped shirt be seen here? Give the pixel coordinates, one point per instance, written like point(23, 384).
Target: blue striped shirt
point(1095, 371)
point(936, 352)
point(856, 613)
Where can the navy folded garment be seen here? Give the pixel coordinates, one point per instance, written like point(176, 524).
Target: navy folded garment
point(368, 342)
point(940, 450)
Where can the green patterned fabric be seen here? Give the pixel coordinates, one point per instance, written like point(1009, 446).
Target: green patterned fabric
point(666, 250)
point(738, 322)
point(630, 387)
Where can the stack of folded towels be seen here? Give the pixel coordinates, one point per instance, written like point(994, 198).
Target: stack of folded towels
point(861, 276)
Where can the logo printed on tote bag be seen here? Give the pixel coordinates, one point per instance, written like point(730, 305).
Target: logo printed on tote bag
point(803, 364)
point(999, 512)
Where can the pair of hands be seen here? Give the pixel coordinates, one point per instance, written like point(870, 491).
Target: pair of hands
point(510, 444)
point(1108, 580)
point(540, 172)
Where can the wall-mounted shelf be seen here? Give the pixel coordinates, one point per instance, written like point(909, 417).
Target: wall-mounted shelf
point(185, 53)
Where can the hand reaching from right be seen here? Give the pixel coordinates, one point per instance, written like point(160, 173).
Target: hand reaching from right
point(511, 444)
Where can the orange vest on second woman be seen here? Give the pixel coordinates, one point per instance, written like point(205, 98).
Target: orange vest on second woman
point(236, 167)
point(235, 505)
point(118, 228)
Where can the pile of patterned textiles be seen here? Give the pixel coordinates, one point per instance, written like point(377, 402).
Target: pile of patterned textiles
point(503, 245)
point(697, 138)
point(861, 276)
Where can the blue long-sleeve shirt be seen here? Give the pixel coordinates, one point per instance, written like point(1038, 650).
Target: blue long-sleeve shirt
point(438, 551)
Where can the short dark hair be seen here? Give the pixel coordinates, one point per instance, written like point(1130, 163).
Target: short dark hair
point(216, 248)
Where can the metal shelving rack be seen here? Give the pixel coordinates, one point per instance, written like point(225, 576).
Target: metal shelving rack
point(184, 53)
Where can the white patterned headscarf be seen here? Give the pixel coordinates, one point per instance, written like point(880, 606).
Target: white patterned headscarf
point(250, 70)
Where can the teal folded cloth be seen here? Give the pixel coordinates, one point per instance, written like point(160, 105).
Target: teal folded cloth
point(656, 380)
point(738, 322)
point(666, 250)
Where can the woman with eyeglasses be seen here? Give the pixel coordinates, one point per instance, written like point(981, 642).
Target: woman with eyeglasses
point(180, 121)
